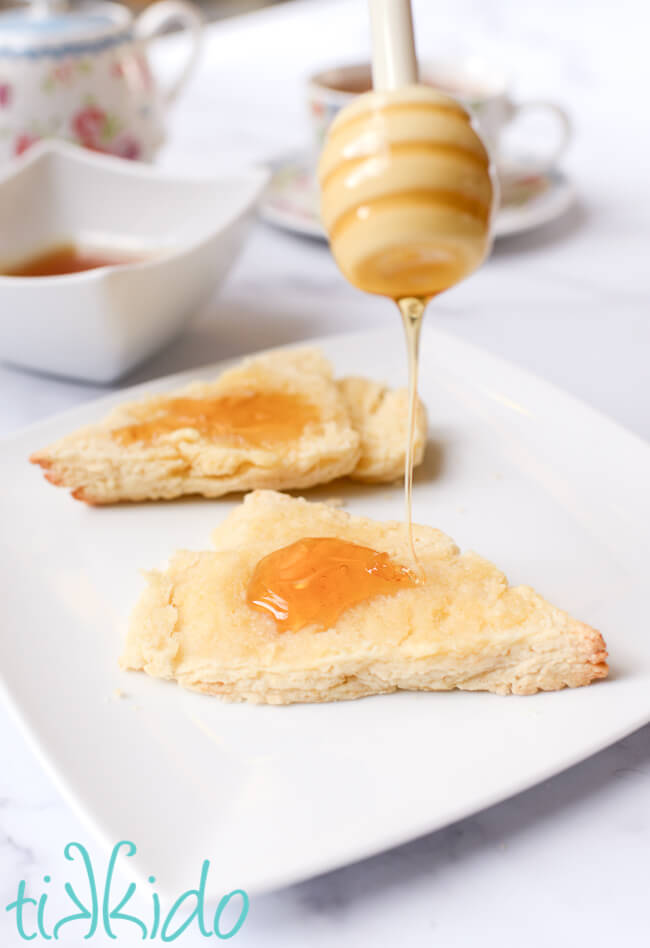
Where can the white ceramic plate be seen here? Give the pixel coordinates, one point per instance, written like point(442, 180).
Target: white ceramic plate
point(554, 493)
point(529, 199)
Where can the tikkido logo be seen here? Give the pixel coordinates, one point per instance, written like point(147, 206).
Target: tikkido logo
point(101, 910)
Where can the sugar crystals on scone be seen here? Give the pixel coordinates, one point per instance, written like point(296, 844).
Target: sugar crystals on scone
point(300, 601)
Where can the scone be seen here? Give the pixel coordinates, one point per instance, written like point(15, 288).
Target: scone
point(278, 421)
point(459, 625)
point(380, 415)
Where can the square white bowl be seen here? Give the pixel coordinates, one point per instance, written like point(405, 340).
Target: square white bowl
point(98, 324)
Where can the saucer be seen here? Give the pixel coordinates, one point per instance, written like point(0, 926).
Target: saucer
point(528, 198)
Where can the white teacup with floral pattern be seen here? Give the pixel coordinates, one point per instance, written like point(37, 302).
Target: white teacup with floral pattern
point(83, 76)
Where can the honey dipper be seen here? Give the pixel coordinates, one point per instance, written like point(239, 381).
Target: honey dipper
point(407, 189)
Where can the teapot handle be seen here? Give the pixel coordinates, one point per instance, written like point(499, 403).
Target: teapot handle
point(156, 18)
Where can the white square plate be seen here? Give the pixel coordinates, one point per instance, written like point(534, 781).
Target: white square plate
point(552, 492)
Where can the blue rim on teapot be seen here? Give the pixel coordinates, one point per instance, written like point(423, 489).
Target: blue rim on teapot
point(58, 32)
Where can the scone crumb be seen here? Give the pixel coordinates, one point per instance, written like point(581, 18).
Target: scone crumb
point(118, 693)
point(335, 502)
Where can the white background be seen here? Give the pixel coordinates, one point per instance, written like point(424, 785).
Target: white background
point(569, 861)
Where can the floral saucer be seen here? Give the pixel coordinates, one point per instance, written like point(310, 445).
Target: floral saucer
point(528, 198)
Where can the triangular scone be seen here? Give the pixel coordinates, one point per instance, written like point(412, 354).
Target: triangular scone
point(463, 627)
point(353, 426)
point(101, 468)
point(380, 415)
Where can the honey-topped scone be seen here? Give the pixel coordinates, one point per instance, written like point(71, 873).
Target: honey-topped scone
point(303, 602)
point(278, 421)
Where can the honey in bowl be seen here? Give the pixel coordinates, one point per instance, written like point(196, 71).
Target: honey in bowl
point(313, 581)
point(70, 257)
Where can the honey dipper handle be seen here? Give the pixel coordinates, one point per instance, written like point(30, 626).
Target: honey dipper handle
point(393, 46)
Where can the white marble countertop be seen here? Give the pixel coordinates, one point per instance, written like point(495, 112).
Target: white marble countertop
point(569, 860)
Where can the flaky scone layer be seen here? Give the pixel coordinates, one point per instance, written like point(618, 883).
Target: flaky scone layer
point(463, 627)
point(380, 415)
point(361, 431)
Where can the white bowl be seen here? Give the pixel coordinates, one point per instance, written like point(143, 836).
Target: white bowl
point(98, 324)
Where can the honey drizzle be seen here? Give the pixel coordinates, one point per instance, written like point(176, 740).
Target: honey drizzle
point(313, 581)
point(412, 310)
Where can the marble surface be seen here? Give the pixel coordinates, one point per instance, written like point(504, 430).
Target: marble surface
point(567, 861)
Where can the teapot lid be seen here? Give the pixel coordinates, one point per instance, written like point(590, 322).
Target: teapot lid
point(53, 29)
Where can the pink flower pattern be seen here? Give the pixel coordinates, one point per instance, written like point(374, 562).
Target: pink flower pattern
point(91, 126)
point(64, 72)
point(126, 147)
point(88, 124)
point(23, 142)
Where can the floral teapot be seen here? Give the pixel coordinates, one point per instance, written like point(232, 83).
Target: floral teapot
point(82, 75)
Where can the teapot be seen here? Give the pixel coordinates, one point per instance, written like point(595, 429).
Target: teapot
point(82, 75)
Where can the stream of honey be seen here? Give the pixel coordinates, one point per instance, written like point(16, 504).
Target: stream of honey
point(411, 276)
point(412, 310)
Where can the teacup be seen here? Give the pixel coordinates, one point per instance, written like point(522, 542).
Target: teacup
point(82, 75)
point(483, 89)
